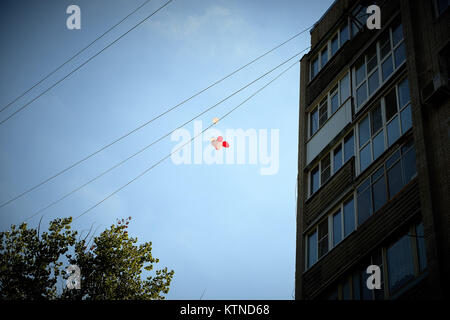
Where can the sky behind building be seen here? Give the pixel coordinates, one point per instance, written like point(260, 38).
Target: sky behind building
point(226, 230)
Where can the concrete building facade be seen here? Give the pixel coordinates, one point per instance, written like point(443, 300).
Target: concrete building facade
point(374, 153)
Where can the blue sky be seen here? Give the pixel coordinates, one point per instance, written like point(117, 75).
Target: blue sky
point(226, 230)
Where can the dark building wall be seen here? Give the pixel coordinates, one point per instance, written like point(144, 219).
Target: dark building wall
point(427, 196)
point(427, 37)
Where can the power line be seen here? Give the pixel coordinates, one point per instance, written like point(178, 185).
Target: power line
point(73, 57)
point(83, 64)
point(182, 146)
point(162, 137)
point(150, 121)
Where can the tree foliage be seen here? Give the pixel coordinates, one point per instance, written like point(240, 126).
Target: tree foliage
point(112, 264)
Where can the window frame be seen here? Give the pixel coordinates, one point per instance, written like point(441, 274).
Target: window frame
point(397, 116)
point(333, 170)
point(335, 90)
point(379, 66)
point(386, 167)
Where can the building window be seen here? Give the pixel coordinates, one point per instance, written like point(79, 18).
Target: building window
point(337, 228)
point(314, 67)
point(317, 243)
point(344, 35)
point(321, 173)
point(323, 238)
point(323, 112)
point(334, 100)
point(377, 132)
point(324, 57)
point(330, 49)
point(334, 44)
point(349, 217)
point(359, 18)
point(314, 122)
point(314, 180)
point(344, 88)
point(331, 103)
point(400, 263)
point(379, 63)
point(312, 249)
point(364, 200)
point(349, 147)
point(386, 181)
point(337, 158)
point(325, 172)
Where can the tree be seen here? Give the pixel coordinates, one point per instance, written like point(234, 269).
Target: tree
point(111, 268)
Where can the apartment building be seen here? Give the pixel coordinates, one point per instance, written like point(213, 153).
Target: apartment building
point(374, 153)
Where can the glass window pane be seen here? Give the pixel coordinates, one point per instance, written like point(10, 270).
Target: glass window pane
point(360, 71)
point(361, 94)
point(349, 147)
point(314, 122)
point(334, 45)
point(376, 119)
point(323, 238)
point(406, 118)
point(314, 180)
point(397, 34)
point(374, 82)
point(364, 205)
point(379, 194)
point(400, 55)
point(421, 251)
point(337, 158)
point(378, 173)
point(391, 104)
point(364, 131)
point(387, 68)
point(365, 158)
point(323, 246)
point(323, 112)
point(392, 159)
point(344, 34)
point(400, 263)
point(395, 182)
point(349, 217)
point(393, 131)
point(312, 249)
point(337, 228)
point(378, 145)
point(325, 167)
point(409, 165)
point(403, 92)
point(385, 45)
point(334, 102)
point(345, 88)
point(372, 58)
point(314, 67)
point(324, 56)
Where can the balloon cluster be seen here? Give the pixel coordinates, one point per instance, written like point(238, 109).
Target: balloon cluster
point(219, 143)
